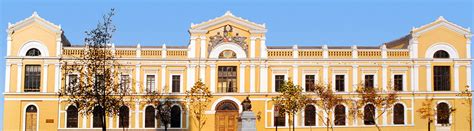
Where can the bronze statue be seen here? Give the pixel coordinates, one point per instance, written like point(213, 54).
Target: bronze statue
point(247, 104)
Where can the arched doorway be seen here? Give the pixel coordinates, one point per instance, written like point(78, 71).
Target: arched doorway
point(227, 112)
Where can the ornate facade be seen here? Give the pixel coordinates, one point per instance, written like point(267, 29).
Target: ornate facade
point(230, 55)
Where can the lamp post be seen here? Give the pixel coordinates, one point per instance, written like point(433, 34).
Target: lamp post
point(276, 115)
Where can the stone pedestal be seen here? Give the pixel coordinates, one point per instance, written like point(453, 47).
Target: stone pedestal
point(248, 122)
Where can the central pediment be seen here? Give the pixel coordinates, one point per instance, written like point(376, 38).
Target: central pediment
point(228, 17)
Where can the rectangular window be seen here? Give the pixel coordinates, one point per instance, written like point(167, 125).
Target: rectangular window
point(32, 78)
point(100, 80)
point(176, 84)
point(340, 83)
point(125, 82)
point(227, 79)
point(398, 82)
point(309, 83)
point(279, 80)
point(72, 82)
point(442, 81)
point(150, 82)
point(369, 81)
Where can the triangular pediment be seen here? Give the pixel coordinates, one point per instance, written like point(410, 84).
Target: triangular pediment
point(228, 17)
point(441, 22)
point(32, 19)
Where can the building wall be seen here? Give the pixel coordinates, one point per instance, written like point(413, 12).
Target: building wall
point(256, 71)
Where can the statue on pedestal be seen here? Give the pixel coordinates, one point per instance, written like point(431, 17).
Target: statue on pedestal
point(246, 104)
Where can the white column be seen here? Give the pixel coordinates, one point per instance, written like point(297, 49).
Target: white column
point(111, 123)
point(164, 52)
point(242, 78)
point(384, 51)
point(263, 78)
point(325, 51)
point(45, 77)
point(413, 47)
point(456, 77)
point(190, 77)
point(384, 119)
point(9, 43)
point(7, 77)
point(468, 46)
point(325, 74)
point(58, 45)
point(252, 47)
point(137, 106)
point(57, 77)
point(138, 51)
point(163, 78)
point(384, 77)
point(202, 72)
point(295, 51)
point(428, 78)
point(18, 78)
point(252, 78)
point(415, 77)
point(295, 74)
point(192, 47)
point(213, 78)
point(137, 78)
point(468, 76)
point(203, 46)
point(84, 121)
point(355, 54)
point(355, 81)
point(263, 48)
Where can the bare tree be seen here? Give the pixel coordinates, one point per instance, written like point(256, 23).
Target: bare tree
point(96, 84)
point(370, 100)
point(327, 101)
point(198, 99)
point(291, 100)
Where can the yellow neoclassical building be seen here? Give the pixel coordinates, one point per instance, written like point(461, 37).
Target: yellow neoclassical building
point(230, 55)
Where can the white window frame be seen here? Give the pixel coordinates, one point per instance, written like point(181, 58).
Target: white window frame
point(37, 116)
point(65, 117)
point(405, 109)
point(273, 119)
point(376, 81)
point(436, 116)
point(309, 72)
point(170, 89)
point(346, 82)
point(129, 118)
point(180, 116)
point(316, 116)
point(404, 81)
point(375, 114)
point(145, 81)
point(274, 80)
point(130, 80)
point(346, 112)
point(144, 114)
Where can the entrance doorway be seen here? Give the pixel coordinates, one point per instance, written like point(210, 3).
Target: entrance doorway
point(227, 113)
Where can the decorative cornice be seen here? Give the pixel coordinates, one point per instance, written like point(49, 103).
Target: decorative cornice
point(228, 16)
point(440, 21)
point(32, 18)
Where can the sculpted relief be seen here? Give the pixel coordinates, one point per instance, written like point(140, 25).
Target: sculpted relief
point(227, 36)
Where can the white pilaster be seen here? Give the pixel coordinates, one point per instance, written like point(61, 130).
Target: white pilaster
point(59, 46)
point(263, 48)
point(9, 44)
point(137, 106)
point(163, 78)
point(355, 72)
point(355, 53)
point(456, 77)
point(84, 121)
point(263, 78)
point(252, 78)
point(468, 46)
point(19, 76)
point(57, 77)
point(384, 77)
point(252, 47)
point(295, 51)
point(213, 78)
point(325, 51)
point(295, 74)
point(384, 119)
point(384, 52)
point(45, 77)
point(203, 47)
point(192, 47)
point(111, 124)
point(428, 78)
point(163, 51)
point(202, 72)
point(415, 77)
point(325, 74)
point(137, 78)
point(7, 77)
point(190, 77)
point(242, 78)
point(413, 47)
point(138, 51)
point(468, 76)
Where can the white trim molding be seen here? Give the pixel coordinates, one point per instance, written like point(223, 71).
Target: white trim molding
point(453, 53)
point(37, 116)
point(241, 54)
point(33, 44)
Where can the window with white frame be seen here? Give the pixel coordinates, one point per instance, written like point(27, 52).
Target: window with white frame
point(398, 82)
point(309, 82)
point(32, 78)
point(125, 82)
point(73, 80)
point(150, 82)
point(340, 83)
point(175, 83)
point(279, 81)
point(369, 81)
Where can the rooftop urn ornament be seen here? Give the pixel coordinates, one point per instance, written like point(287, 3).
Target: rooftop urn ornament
point(247, 104)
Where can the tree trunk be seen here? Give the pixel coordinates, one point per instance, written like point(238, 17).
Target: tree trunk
point(327, 123)
point(103, 120)
point(429, 124)
point(293, 121)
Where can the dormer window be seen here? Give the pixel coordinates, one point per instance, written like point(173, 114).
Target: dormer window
point(33, 52)
point(441, 54)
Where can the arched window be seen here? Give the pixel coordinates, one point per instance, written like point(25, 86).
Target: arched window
point(441, 54)
point(71, 117)
point(33, 52)
point(340, 115)
point(279, 117)
point(150, 117)
point(124, 117)
point(31, 120)
point(369, 114)
point(310, 115)
point(398, 114)
point(443, 112)
point(97, 117)
point(175, 117)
